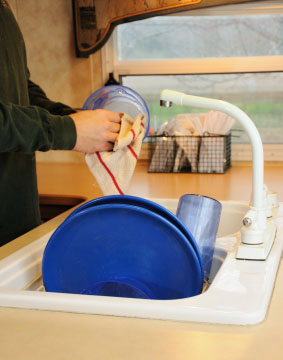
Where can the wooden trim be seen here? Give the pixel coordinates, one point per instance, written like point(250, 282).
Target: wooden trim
point(200, 66)
point(54, 205)
point(140, 15)
point(67, 200)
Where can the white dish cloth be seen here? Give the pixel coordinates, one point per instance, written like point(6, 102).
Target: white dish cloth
point(113, 170)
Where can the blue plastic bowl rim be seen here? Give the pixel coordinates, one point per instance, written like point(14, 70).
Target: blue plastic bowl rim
point(96, 93)
point(177, 222)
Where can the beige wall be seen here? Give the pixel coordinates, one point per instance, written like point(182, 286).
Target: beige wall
point(47, 27)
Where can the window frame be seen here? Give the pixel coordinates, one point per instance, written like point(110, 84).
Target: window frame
point(253, 64)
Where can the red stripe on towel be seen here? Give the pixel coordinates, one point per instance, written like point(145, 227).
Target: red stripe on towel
point(133, 152)
point(110, 173)
point(134, 134)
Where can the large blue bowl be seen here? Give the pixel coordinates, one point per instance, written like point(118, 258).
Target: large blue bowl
point(121, 250)
point(146, 204)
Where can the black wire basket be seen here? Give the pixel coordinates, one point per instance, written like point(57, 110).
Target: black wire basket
point(208, 154)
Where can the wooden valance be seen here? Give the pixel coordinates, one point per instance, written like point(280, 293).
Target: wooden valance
point(94, 20)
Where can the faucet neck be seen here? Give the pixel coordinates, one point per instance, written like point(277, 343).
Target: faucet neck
point(232, 110)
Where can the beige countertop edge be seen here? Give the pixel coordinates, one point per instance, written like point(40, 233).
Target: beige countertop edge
point(33, 235)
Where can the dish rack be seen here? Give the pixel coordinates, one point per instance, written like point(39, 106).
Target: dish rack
point(189, 154)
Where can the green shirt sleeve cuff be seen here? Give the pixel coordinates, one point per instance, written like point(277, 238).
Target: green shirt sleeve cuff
point(65, 134)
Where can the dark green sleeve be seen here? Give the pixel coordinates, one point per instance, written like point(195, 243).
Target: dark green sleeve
point(31, 128)
point(38, 97)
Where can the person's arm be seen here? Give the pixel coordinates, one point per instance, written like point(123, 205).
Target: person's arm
point(31, 128)
point(96, 130)
point(38, 97)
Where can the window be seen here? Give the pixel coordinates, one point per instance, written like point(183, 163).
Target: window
point(233, 53)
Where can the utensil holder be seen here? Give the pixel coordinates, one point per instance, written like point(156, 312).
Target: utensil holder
point(189, 154)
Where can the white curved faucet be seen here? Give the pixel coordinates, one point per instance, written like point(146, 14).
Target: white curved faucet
point(232, 110)
point(254, 231)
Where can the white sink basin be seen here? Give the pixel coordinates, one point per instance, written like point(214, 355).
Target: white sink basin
point(239, 291)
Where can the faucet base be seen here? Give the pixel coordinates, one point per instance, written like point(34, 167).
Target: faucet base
point(260, 251)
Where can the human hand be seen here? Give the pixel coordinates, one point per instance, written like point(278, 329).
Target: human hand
point(97, 130)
